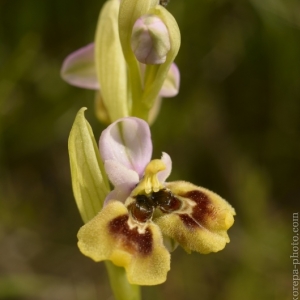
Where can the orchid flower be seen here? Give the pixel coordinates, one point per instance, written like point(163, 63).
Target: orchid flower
point(144, 210)
point(130, 64)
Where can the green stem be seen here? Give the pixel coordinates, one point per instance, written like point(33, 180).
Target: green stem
point(122, 289)
point(138, 109)
point(150, 77)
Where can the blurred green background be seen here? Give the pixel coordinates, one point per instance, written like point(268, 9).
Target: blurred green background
point(233, 128)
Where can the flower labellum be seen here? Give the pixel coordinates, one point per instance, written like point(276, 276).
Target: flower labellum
point(150, 40)
point(143, 210)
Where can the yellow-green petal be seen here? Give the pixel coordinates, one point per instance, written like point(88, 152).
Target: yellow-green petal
point(113, 235)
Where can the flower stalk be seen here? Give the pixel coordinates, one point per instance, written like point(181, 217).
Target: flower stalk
point(121, 288)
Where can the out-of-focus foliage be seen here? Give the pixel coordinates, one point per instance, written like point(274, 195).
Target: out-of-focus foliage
point(233, 128)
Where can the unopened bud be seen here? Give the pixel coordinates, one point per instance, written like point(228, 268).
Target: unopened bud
point(150, 40)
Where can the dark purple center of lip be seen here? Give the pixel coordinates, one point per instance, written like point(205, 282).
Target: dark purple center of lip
point(131, 239)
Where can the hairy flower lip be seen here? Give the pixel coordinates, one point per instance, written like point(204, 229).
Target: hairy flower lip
point(112, 235)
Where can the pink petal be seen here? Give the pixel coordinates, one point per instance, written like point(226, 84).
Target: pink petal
point(79, 68)
point(117, 195)
point(171, 84)
point(119, 174)
point(150, 40)
point(128, 142)
point(163, 175)
point(123, 179)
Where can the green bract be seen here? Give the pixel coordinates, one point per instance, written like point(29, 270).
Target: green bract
point(110, 63)
point(89, 181)
point(90, 187)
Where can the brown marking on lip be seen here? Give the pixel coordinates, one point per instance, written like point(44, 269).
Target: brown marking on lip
point(201, 211)
point(131, 239)
point(188, 221)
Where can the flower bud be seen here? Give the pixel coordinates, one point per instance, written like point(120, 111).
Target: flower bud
point(150, 40)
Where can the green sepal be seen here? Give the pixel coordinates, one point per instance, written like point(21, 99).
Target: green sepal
point(89, 181)
point(156, 74)
point(110, 62)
